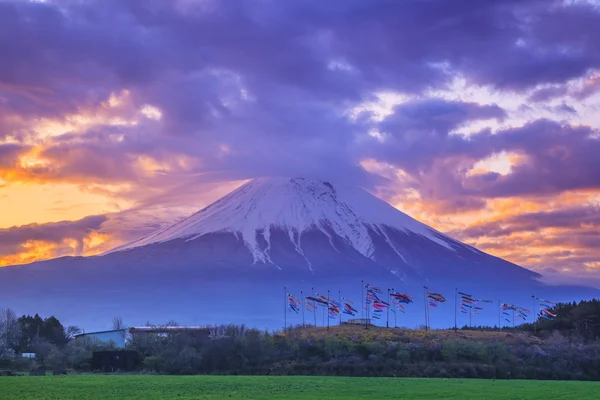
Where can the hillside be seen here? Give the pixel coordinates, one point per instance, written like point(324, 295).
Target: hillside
point(381, 334)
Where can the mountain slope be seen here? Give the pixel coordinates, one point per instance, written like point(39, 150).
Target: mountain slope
point(302, 216)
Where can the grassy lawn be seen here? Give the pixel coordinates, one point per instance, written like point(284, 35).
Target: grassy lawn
point(262, 387)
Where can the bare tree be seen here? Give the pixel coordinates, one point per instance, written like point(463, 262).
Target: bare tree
point(119, 325)
point(71, 331)
point(10, 330)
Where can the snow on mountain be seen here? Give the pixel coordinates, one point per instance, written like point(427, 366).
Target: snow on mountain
point(295, 206)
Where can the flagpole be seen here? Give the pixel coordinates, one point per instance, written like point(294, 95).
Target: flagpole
point(513, 316)
point(470, 316)
point(426, 319)
point(387, 320)
point(366, 313)
point(328, 305)
point(499, 324)
point(455, 307)
point(303, 306)
point(314, 311)
point(395, 314)
point(362, 298)
point(534, 314)
point(284, 309)
point(340, 305)
point(390, 306)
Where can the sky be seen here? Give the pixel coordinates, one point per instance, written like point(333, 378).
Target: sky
point(479, 118)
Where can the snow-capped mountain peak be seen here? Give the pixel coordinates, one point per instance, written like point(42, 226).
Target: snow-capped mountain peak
point(294, 205)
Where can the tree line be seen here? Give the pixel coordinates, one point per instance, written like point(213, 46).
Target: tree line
point(579, 321)
point(567, 347)
point(31, 334)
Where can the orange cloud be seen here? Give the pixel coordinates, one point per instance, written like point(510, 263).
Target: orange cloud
point(36, 250)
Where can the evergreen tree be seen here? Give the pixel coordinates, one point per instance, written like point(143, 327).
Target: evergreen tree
point(35, 329)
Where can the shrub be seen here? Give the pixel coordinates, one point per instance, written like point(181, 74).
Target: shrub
point(7, 355)
point(454, 350)
point(403, 356)
point(153, 363)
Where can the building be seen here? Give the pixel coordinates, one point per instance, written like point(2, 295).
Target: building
point(198, 331)
point(115, 337)
point(119, 337)
point(112, 361)
point(171, 329)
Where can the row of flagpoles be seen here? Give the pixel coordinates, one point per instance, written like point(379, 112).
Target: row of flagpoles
point(373, 306)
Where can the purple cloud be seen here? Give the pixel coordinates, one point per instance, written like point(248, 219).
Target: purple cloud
point(582, 218)
point(249, 90)
point(557, 158)
point(82, 51)
point(564, 109)
point(548, 93)
point(438, 117)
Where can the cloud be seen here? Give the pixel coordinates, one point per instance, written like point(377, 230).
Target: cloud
point(108, 45)
point(245, 91)
point(87, 236)
point(557, 157)
point(550, 158)
point(12, 239)
point(582, 218)
point(10, 154)
point(548, 93)
point(589, 88)
point(564, 109)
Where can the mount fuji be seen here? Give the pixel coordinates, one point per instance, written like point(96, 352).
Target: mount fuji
point(312, 229)
point(230, 261)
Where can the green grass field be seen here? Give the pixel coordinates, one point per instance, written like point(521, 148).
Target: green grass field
point(150, 387)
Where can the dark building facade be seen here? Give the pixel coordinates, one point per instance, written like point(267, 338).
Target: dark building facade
point(111, 361)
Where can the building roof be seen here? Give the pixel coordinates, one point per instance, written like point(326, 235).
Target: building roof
point(165, 329)
point(96, 333)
